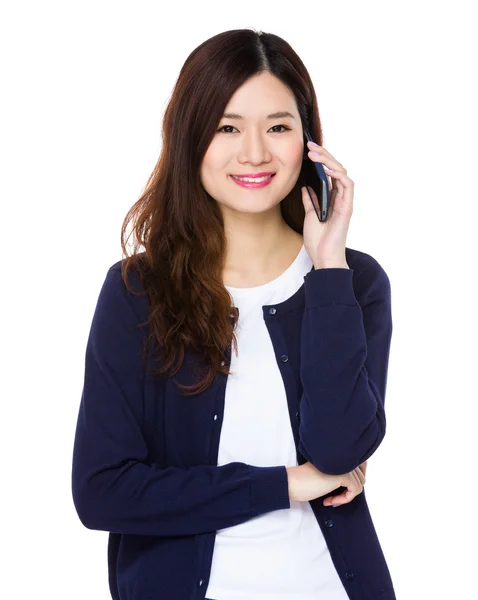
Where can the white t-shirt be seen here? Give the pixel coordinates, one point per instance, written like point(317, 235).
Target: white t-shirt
point(280, 555)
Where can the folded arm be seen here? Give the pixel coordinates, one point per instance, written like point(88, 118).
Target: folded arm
point(345, 345)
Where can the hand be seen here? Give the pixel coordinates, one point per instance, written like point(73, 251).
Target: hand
point(342, 498)
point(325, 241)
point(307, 483)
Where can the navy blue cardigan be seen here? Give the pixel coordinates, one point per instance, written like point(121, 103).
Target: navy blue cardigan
point(145, 457)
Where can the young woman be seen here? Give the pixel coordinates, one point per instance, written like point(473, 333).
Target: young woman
point(240, 474)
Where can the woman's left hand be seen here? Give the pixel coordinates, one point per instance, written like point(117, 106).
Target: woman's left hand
point(325, 241)
point(342, 498)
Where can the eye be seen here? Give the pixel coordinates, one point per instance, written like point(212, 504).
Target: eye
point(284, 126)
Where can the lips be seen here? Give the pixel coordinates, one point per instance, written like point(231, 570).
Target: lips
point(243, 177)
point(252, 184)
point(253, 175)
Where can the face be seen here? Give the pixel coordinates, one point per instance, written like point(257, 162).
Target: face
point(255, 144)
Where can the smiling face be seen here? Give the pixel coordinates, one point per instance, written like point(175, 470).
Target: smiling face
point(254, 144)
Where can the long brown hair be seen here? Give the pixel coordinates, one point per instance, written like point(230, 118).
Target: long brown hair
point(179, 224)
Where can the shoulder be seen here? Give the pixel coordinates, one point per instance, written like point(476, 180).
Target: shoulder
point(115, 271)
point(136, 260)
point(115, 289)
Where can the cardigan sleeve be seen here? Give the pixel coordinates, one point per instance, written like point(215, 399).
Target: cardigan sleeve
point(345, 345)
point(114, 487)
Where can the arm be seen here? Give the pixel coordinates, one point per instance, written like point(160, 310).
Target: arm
point(344, 361)
point(114, 487)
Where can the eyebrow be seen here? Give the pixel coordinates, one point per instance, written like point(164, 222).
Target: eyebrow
point(277, 115)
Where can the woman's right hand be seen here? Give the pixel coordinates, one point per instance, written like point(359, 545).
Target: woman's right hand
point(307, 483)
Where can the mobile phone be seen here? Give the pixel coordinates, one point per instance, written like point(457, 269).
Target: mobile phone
point(312, 174)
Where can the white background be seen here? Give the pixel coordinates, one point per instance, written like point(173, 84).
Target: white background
point(84, 86)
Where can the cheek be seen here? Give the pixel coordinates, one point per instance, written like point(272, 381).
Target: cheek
point(212, 169)
point(296, 153)
point(208, 165)
point(214, 158)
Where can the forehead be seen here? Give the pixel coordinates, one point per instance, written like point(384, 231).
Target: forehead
point(262, 96)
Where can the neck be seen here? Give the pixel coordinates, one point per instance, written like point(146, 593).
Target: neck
point(258, 254)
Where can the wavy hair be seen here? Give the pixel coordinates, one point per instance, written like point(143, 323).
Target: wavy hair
point(180, 225)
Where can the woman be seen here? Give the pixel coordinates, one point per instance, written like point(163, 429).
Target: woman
point(237, 475)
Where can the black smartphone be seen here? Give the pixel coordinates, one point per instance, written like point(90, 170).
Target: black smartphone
point(312, 174)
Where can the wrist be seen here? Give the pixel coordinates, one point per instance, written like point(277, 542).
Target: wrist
point(291, 477)
point(331, 266)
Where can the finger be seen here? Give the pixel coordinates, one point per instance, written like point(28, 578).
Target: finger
point(358, 480)
point(340, 176)
point(334, 183)
point(345, 189)
point(334, 500)
point(343, 498)
point(322, 151)
point(360, 475)
point(356, 474)
point(356, 488)
point(308, 206)
point(343, 199)
point(328, 161)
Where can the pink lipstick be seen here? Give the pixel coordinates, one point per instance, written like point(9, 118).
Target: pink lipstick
point(252, 184)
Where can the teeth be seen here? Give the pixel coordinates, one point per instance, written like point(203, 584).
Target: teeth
point(252, 180)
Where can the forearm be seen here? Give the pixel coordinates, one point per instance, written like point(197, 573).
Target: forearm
point(344, 358)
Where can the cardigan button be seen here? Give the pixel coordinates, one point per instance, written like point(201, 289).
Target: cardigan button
point(297, 416)
point(329, 523)
point(272, 311)
point(349, 576)
point(284, 358)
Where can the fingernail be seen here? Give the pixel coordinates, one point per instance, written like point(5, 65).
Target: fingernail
point(335, 505)
point(313, 143)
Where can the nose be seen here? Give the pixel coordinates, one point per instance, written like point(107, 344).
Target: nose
point(254, 148)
